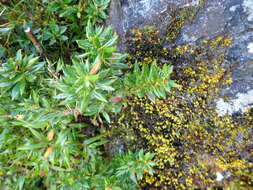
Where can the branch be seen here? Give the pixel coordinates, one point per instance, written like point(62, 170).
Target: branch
point(34, 40)
point(5, 24)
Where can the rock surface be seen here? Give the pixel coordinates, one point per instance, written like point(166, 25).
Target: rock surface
point(217, 18)
point(230, 18)
point(129, 14)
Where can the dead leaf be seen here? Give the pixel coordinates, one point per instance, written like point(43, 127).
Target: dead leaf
point(116, 98)
point(50, 135)
point(96, 67)
point(48, 152)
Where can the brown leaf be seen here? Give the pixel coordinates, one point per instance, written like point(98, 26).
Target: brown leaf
point(50, 135)
point(96, 67)
point(117, 98)
point(42, 174)
point(48, 152)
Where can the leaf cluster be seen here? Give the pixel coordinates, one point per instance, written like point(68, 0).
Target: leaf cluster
point(20, 73)
point(97, 76)
point(150, 80)
point(56, 23)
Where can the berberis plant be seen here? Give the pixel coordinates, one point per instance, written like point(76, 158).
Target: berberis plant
point(49, 101)
point(89, 85)
point(20, 73)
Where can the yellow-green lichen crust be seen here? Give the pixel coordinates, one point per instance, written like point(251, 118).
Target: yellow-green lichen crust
point(191, 142)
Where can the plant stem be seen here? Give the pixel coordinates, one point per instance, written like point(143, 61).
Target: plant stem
point(34, 40)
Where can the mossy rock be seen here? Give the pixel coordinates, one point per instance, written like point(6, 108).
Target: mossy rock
point(197, 145)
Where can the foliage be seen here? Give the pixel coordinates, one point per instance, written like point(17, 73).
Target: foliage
point(49, 101)
point(49, 20)
point(151, 81)
point(134, 165)
point(80, 11)
point(53, 34)
point(90, 85)
point(42, 146)
point(20, 73)
point(99, 42)
point(82, 88)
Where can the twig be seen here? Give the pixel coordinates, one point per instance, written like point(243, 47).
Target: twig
point(34, 40)
point(5, 24)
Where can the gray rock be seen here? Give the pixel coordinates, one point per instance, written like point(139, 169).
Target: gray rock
point(228, 18)
point(217, 18)
point(125, 15)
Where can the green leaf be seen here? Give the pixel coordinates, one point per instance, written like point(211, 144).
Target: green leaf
point(151, 96)
point(22, 87)
point(64, 38)
point(5, 84)
point(37, 67)
point(15, 91)
point(156, 91)
point(5, 30)
point(93, 78)
point(170, 69)
point(17, 78)
point(92, 140)
point(162, 92)
point(20, 183)
point(119, 66)
point(32, 61)
point(172, 83)
point(62, 96)
point(110, 42)
point(32, 146)
point(104, 87)
point(37, 134)
point(19, 55)
point(96, 144)
point(84, 44)
point(83, 55)
point(133, 177)
point(144, 71)
point(99, 96)
point(136, 68)
point(153, 72)
point(89, 30)
point(116, 188)
point(106, 116)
